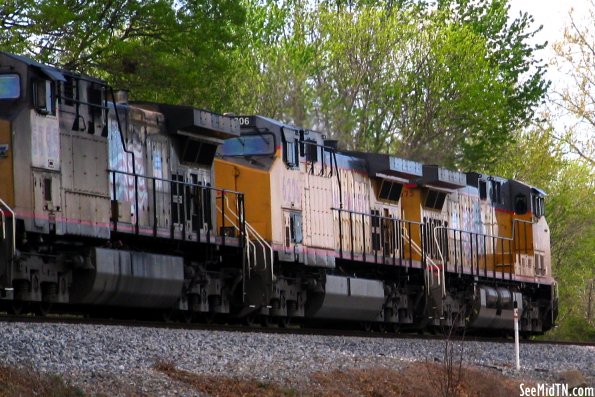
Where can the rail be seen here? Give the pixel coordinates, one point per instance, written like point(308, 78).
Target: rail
point(389, 238)
point(478, 244)
point(3, 207)
point(429, 280)
point(189, 203)
point(266, 247)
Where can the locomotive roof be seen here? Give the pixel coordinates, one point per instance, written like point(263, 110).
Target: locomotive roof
point(187, 120)
point(51, 71)
point(391, 167)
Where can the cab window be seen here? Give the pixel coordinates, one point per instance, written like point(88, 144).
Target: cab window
point(290, 148)
point(43, 96)
point(538, 206)
point(249, 145)
point(10, 86)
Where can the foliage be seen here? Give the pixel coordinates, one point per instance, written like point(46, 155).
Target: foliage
point(399, 77)
point(575, 58)
point(539, 158)
point(28, 382)
point(162, 50)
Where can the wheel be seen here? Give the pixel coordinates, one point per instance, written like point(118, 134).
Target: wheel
point(366, 326)
point(250, 320)
point(284, 322)
point(167, 315)
point(42, 309)
point(210, 318)
point(380, 327)
point(16, 307)
point(267, 321)
point(187, 316)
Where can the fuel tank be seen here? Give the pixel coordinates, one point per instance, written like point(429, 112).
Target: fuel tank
point(128, 279)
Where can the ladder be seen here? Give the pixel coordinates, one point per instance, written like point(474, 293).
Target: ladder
point(259, 253)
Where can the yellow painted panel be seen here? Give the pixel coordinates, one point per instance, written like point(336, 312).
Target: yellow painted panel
point(256, 186)
point(411, 207)
point(6, 165)
point(504, 263)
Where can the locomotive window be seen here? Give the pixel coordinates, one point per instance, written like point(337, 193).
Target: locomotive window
point(47, 189)
point(68, 91)
point(95, 99)
point(10, 86)
point(385, 189)
point(435, 199)
point(94, 96)
point(249, 145)
point(483, 190)
point(43, 96)
point(390, 191)
point(520, 204)
point(290, 148)
point(496, 193)
point(395, 192)
point(311, 151)
point(295, 222)
point(198, 152)
point(538, 206)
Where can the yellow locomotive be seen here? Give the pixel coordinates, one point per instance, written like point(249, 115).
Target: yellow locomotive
point(111, 205)
point(383, 240)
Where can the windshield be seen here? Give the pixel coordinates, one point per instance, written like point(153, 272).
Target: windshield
point(249, 145)
point(10, 86)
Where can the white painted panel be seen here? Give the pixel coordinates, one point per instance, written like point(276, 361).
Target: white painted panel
point(45, 141)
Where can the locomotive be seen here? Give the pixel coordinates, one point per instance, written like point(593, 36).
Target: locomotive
point(108, 204)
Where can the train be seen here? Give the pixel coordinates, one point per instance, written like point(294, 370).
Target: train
point(111, 205)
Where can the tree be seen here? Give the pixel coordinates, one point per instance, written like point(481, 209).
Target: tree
point(398, 77)
point(539, 158)
point(162, 50)
point(575, 58)
point(411, 80)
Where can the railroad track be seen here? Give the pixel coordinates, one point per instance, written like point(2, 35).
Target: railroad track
point(291, 329)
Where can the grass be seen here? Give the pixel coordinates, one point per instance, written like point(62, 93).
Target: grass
point(412, 381)
point(27, 382)
point(415, 380)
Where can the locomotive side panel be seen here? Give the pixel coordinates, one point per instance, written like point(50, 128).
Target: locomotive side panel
point(6, 163)
point(256, 186)
point(85, 183)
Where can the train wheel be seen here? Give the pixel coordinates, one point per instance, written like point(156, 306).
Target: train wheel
point(267, 321)
point(380, 327)
point(42, 309)
point(167, 315)
point(250, 320)
point(210, 317)
point(284, 322)
point(187, 316)
point(16, 307)
point(366, 326)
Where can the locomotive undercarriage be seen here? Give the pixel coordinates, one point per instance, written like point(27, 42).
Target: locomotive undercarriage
point(212, 283)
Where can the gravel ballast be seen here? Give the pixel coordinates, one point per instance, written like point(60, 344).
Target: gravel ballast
point(98, 356)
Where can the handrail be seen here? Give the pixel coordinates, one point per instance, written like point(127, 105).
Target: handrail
point(173, 181)
point(430, 261)
point(446, 228)
point(14, 228)
point(264, 244)
point(488, 235)
point(441, 260)
point(247, 239)
point(413, 245)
